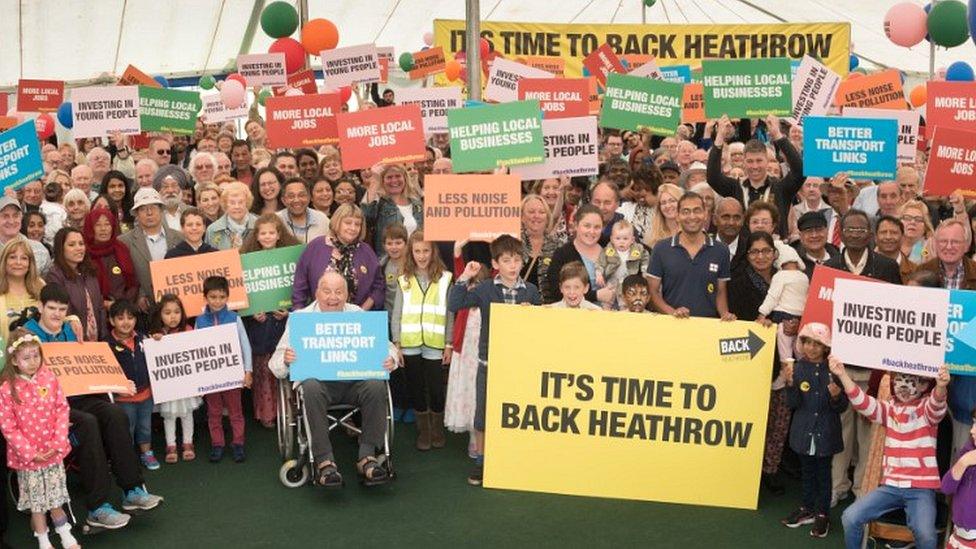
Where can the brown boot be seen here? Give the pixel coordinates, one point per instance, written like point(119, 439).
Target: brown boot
point(423, 430)
point(437, 439)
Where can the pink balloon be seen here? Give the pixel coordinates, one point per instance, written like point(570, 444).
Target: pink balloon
point(905, 24)
point(293, 91)
point(429, 38)
point(232, 94)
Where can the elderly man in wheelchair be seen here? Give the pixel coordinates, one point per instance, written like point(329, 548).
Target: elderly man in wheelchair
point(370, 396)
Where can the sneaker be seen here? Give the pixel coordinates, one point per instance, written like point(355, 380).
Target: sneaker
point(900, 545)
point(216, 454)
point(149, 460)
point(238, 453)
point(107, 517)
point(821, 526)
point(139, 498)
point(477, 475)
point(798, 518)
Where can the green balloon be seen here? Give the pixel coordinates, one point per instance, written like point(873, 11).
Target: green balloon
point(948, 23)
point(279, 19)
point(406, 61)
point(263, 96)
point(650, 3)
point(207, 82)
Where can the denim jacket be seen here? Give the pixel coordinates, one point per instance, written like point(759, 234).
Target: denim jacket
point(219, 234)
point(383, 212)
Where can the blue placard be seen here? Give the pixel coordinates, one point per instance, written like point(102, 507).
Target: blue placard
point(864, 148)
point(794, 65)
point(676, 73)
point(339, 346)
point(960, 356)
point(20, 156)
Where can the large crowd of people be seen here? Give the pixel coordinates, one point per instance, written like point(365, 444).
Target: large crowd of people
point(717, 222)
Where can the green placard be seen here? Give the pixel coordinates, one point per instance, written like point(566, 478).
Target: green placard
point(486, 137)
point(635, 103)
point(268, 278)
point(747, 88)
point(166, 110)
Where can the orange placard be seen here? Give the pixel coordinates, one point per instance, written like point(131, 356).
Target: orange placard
point(135, 77)
point(554, 65)
point(389, 135)
point(877, 91)
point(85, 368)
point(427, 62)
point(184, 276)
point(694, 104)
point(473, 207)
point(7, 122)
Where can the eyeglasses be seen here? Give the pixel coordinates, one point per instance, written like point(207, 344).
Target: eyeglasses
point(948, 243)
point(912, 218)
point(765, 252)
point(855, 230)
point(163, 151)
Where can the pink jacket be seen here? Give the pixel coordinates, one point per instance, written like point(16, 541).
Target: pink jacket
point(39, 422)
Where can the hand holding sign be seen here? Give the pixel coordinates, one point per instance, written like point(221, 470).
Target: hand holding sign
point(773, 127)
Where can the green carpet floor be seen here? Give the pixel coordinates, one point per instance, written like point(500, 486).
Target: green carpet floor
point(429, 505)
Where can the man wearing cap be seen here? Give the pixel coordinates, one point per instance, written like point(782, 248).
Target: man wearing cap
point(149, 240)
point(813, 246)
point(670, 173)
point(11, 217)
point(758, 185)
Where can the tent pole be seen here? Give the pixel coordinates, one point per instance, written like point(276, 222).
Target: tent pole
point(932, 52)
point(302, 19)
point(472, 40)
point(643, 13)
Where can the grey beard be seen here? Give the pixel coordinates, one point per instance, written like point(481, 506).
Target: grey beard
point(171, 202)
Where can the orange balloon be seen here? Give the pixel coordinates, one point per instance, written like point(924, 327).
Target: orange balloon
point(452, 70)
point(919, 95)
point(319, 35)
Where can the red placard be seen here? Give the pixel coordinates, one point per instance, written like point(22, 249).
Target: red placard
point(387, 135)
point(952, 163)
point(3, 104)
point(558, 97)
point(820, 303)
point(951, 105)
point(303, 80)
point(39, 95)
point(302, 120)
point(602, 61)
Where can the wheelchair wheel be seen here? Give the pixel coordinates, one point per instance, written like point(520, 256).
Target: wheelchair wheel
point(286, 421)
point(293, 474)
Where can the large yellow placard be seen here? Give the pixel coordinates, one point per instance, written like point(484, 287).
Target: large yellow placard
point(630, 406)
point(669, 44)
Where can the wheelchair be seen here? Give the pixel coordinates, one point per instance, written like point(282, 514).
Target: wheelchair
point(294, 441)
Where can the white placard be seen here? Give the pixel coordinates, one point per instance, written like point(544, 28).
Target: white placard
point(263, 69)
point(351, 65)
point(814, 88)
point(896, 328)
point(908, 122)
point(571, 149)
point(195, 363)
point(103, 110)
point(503, 77)
point(434, 103)
point(214, 111)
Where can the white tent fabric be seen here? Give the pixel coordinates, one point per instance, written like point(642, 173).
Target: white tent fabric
point(82, 40)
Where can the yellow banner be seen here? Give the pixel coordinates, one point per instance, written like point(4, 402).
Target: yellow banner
point(611, 404)
point(669, 44)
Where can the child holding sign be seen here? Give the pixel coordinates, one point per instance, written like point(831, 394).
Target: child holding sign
point(423, 329)
point(215, 291)
point(34, 420)
point(910, 473)
point(126, 344)
point(169, 318)
point(815, 434)
point(265, 329)
point(960, 483)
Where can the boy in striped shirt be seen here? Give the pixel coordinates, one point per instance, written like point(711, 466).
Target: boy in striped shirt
point(910, 474)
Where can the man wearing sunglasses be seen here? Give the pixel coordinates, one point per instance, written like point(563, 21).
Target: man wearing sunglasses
point(160, 151)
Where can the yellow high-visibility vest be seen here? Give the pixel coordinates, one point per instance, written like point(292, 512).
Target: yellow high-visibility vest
point(424, 317)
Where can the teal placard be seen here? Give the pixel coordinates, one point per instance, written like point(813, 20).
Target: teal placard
point(487, 137)
point(636, 103)
point(747, 88)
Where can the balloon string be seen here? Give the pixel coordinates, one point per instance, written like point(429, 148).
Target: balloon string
point(385, 23)
point(213, 38)
point(118, 42)
point(580, 12)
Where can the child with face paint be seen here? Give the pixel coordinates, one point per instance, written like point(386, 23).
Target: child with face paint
point(635, 294)
point(960, 483)
point(815, 434)
point(910, 474)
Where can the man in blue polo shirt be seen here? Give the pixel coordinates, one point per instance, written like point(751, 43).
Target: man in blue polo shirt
point(690, 271)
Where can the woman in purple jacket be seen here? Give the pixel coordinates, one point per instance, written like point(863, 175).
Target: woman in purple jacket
point(343, 251)
point(74, 271)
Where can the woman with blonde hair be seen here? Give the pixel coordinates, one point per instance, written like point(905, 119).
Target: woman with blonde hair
point(917, 243)
point(20, 285)
point(552, 191)
point(231, 229)
point(538, 242)
point(394, 200)
point(665, 221)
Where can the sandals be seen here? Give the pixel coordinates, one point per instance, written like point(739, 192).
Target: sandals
point(188, 453)
point(371, 472)
point(327, 476)
point(171, 456)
